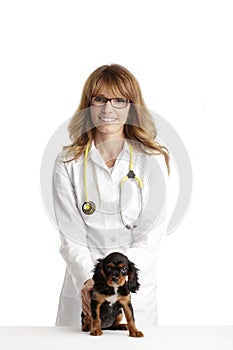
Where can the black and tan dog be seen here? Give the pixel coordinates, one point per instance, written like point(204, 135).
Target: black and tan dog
point(115, 277)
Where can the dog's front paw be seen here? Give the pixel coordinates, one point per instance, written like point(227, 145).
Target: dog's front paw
point(86, 328)
point(136, 333)
point(96, 332)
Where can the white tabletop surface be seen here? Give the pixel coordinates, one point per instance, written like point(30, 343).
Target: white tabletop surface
point(161, 338)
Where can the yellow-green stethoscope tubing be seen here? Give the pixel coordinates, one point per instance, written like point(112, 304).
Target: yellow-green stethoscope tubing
point(89, 207)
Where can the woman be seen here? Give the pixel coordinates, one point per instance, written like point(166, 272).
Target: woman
point(112, 132)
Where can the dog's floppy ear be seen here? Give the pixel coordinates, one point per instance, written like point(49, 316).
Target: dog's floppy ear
point(98, 276)
point(133, 283)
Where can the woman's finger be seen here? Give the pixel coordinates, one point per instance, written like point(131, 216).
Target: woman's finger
point(86, 296)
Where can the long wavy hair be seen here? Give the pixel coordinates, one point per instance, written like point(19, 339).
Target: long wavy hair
point(140, 126)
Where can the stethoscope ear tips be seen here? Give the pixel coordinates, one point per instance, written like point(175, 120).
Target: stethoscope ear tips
point(88, 208)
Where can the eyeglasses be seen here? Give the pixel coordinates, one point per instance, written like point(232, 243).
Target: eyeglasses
point(116, 102)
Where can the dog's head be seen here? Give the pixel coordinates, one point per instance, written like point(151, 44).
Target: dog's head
point(116, 270)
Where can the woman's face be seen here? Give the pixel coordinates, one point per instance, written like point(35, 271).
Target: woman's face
point(106, 118)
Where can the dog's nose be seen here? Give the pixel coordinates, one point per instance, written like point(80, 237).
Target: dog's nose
point(115, 279)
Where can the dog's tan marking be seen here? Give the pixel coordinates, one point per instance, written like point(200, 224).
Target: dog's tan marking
point(121, 265)
point(101, 298)
point(121, 281)
point(117, 322)
point(133, 331)
point(96, 324)
point(111, 264)
point(118, 319)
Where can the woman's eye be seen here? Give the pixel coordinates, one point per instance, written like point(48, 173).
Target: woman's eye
point(98, 99)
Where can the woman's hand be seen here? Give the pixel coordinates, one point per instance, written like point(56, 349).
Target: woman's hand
point(86, 296)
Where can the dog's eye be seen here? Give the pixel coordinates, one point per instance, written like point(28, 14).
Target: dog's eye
point(108, 268)
point(124, 269)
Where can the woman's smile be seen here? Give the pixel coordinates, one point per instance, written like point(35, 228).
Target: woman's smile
point(107, 119)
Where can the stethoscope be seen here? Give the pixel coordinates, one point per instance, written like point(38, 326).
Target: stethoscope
point(89, 207)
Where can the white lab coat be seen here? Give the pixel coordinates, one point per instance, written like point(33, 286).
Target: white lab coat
point(85, 238)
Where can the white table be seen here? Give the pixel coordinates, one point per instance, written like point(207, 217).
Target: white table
point(162, 338)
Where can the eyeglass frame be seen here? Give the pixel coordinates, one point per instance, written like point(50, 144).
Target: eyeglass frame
point(110, 99)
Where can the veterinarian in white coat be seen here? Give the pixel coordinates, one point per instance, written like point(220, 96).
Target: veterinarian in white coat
point(92, 170)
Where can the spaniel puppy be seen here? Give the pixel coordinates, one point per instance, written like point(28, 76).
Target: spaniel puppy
point(115, 277)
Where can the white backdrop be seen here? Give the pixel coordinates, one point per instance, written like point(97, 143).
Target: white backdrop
point(181, 53)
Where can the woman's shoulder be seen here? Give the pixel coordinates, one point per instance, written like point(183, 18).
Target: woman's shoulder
point(154, 163)
point(68, 159)
point(62, 156)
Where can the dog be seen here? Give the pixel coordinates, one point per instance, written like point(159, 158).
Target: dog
point(114, 278)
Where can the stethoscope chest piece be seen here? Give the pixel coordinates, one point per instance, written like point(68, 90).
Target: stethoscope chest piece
point(88, 208)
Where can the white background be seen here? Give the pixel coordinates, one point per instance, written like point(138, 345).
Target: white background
point(181, 52)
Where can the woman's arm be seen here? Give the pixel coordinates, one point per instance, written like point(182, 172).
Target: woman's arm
point(147, 236)
point(71, 226)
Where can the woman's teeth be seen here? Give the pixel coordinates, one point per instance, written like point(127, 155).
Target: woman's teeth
point(107, 119)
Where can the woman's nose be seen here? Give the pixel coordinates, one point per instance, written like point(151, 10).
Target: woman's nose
point(108, 107)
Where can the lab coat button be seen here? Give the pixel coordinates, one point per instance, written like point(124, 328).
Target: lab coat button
point(113, 239)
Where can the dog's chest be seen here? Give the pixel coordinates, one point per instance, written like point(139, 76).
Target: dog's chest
point(113, 298)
